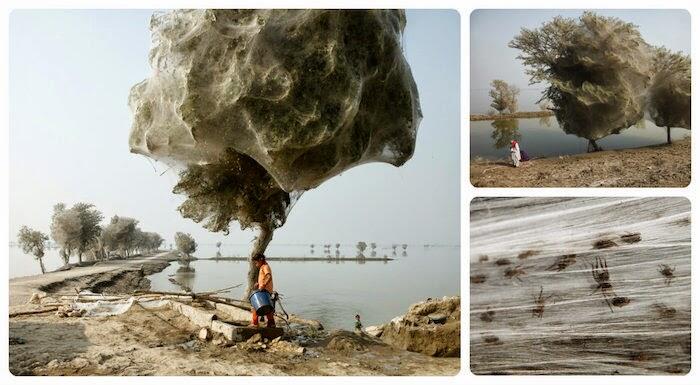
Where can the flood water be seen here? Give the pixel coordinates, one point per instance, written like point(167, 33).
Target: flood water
point(334, 291)
point(542, 137)
point(330, 291)
point(22, 265)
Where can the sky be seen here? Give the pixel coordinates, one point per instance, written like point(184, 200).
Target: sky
point(70, 75)
point(491, 30)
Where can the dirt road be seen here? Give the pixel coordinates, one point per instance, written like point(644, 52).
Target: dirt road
point(101, 274)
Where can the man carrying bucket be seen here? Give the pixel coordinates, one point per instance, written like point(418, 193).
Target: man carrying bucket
point(264, 283)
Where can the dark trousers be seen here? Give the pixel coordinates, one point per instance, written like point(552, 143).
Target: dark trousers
point(270, 319)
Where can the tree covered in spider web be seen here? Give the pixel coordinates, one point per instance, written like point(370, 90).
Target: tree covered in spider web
point(236, 188)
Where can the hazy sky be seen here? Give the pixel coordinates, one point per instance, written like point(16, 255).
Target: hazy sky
point(70, 75)
point(491, 30)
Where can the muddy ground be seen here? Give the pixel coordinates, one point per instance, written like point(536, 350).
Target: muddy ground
point(654, 166)
point(163, 342)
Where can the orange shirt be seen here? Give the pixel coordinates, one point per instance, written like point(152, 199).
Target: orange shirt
point(265, 278)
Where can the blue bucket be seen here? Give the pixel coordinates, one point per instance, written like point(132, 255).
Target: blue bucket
point(261, 302)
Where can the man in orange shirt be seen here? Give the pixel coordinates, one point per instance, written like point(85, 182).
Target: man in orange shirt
point(264, 283)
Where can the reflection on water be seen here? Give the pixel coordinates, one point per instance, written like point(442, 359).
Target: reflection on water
point(542, 137)
point(504, 131)
point(546, 121)
point(333, 290)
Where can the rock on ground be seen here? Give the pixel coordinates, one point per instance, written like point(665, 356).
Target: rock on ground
point(431, 327)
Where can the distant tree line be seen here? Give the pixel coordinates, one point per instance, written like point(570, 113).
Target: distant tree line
point(78, 231)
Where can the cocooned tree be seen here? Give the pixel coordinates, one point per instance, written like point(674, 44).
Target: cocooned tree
point(236, 188)
point(33, 242)
point(668, 97)
point(598, 70)
point(504, 96)
point(185, 244)
point(258, 106)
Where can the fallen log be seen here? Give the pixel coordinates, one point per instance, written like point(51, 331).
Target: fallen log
point(31, 312)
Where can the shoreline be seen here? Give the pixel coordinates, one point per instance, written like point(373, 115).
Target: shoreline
point(660, 165)
point(515, 115)
point(117, 273)
point(300, 259)
point(46, 338)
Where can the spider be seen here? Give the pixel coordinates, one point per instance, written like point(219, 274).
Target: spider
point(562, 262)
point(631, 238)
point(479, 278)
point(487, 316)
point(515, 272)
point(538, 310)
point(602, 277)
point(502, 262)
point(620, 301)
point(664, 311)
point(667, 272)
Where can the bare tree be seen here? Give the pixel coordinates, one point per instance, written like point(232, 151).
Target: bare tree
point(33, 242)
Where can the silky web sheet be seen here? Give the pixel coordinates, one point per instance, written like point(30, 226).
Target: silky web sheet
point(308, 94)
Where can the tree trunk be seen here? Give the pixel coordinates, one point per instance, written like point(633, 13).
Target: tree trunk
point(593, 144)
point(261, 241)
point(80, 257)
point(65, 256)
point(668, 134)
point(41, 263)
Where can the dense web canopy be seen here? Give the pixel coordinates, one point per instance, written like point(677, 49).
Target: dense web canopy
point(307, 94)
point(598, 68)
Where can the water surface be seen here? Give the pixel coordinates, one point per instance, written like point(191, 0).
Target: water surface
point(334, 291)
point(542, 137)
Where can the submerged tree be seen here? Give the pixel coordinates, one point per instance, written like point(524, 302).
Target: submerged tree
point(668, 97)
point(362, 246)
point(218, 250)
point(33, 242)
point(597, 68)
point(185, 244)
point(504, 96)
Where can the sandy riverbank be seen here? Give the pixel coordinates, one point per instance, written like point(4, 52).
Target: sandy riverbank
point(162, 341)
point(654, 166)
